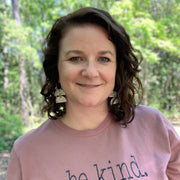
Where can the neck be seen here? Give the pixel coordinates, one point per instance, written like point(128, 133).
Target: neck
point(84, 118)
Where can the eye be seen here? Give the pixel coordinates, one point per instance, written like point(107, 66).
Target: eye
point(75, 59)
point(104, 59)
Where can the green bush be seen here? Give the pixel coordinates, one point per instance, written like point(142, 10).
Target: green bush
point(10, 129)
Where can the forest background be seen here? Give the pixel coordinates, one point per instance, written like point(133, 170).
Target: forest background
point(154, 28)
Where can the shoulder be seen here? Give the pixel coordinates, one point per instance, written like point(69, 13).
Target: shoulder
point(149, 113)
point(151, 118)
point(145, 110)
point(150, 123)
point(34, 136)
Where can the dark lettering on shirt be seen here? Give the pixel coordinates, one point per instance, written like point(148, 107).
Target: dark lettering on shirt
point(125, 172)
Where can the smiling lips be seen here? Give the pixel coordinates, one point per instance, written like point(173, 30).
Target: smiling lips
point(88, 85)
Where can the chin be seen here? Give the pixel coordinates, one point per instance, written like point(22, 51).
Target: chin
point(91, 103)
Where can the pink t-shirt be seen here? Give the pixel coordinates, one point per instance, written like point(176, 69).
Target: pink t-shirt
point(148, 149)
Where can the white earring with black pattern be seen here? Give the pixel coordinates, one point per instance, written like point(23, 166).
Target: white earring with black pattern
point(113, 97)
point(60, 96)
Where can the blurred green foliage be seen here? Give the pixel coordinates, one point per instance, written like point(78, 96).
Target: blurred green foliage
point(11, 127)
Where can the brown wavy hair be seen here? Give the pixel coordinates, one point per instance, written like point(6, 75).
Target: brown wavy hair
point(127, 82)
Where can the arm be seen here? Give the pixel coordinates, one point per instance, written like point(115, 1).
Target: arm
point(173, 168)
point(14, 167)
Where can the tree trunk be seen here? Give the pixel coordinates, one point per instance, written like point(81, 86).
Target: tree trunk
point(16, 13)
point(6, 79)
point(23, 75)
point(6, 68)
point(24, 93)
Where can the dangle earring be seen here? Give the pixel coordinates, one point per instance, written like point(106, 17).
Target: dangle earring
point(60, 96)
point(113, 98)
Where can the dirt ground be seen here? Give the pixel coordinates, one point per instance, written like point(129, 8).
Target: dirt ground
point(4, 157)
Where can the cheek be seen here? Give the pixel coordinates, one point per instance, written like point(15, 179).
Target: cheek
point(112, 79)
point(67, 75)
point(63, 72)
point(62, 75)
point(111, 74)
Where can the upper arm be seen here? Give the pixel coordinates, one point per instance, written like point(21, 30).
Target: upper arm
point(173, 169)
point(14, 167)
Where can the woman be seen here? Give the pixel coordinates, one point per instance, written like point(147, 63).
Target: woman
point(95, 130)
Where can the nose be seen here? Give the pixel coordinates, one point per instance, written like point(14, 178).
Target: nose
point(90, 70)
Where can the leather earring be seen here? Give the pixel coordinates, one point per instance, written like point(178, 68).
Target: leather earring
point(113, 98)
point(60, 96)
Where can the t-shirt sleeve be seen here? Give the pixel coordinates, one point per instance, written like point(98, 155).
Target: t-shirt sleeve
point(14, 167)
point(173, 169)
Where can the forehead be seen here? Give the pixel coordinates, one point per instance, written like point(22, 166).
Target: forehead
point(90, 34)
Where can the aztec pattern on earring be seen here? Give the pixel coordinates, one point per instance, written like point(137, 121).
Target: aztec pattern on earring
point(60, 96)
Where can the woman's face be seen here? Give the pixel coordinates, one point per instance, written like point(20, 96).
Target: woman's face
point(87, 65)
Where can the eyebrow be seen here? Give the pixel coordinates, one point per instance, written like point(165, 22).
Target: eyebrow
point(74, 51)
point(81, 52)
point(106, 52)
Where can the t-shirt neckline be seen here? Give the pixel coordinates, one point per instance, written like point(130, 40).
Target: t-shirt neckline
point(91, 132)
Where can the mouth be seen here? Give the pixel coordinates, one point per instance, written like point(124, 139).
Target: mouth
point(88, 85)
